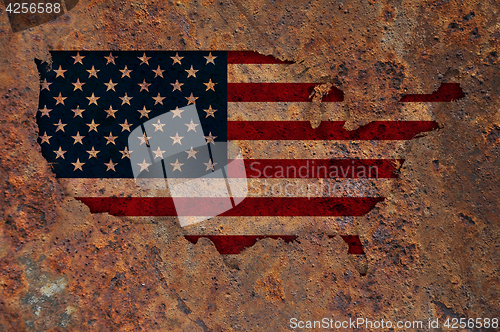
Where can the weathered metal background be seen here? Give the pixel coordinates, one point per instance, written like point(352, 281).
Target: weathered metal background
point(432, 246)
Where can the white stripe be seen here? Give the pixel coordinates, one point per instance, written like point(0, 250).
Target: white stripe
point(283, 111)
point(264, 73)
point(304, 111)
point(257, 187)
point(259, 225)
point(288, 149)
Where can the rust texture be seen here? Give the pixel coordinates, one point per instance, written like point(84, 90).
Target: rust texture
point(432, 247)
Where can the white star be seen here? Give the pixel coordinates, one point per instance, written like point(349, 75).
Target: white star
point(110, 112)
point(78, 58)
point(111, 165)
point(45, 111)
point(93, 99)
point(144, 139)
point(144, 112)
point(158, 99)
point(60, 153)
point(78, 111)
point(60, 126)
point(177, 85)
point(210, 58)
point(210, 165)
point(191, 99)
point(78, 165)
point(191, 126)
point(144, 85)
point(92, 126)
point(210, 138)
point(93, 72)
point(177, 59)
point(158, 153)
point(125, 72)
point(144, 59)
point(177, 112)
point(191, 153)
point(210, 85)
point(176, 138)
point(45, 84)
point(125, 126)
point(60, 72)
point(177, 165)
point(78, 138)
point(125, 153)
point(210, 112)
point(144, 165)
point(158, 72)
point(191, 72)
point(45, 138)
point(78, 85)
point(60, 99)
point(93, 153)
point(126, 99)
point(158, 126)
point(111, 59)
point(110, 85)
point(110, 138)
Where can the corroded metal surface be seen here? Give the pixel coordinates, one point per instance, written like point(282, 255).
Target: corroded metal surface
point(432, 245)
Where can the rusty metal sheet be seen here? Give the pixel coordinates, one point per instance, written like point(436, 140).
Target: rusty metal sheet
point(432, 246)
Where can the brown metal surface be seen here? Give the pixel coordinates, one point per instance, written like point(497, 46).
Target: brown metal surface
point(432, 246)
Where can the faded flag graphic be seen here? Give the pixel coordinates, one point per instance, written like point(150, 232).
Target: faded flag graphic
point(108, 118)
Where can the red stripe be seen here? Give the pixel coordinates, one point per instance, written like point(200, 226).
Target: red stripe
point(445, 93)
point(327, 130)
point(250, 57)
point(234, 244)
point(250, 206)
point(278, 92)
point(318, 168)
point(355, 246)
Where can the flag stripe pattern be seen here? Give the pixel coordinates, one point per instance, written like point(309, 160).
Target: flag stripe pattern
point(90, 101)
point(327, 130)
point(249, 57)
point(234, 244)
point(446, 92)
point(277, 92)
point(250, 206)
point(321, 168)
point(257, 187)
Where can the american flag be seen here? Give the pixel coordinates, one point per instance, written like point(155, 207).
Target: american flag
point(90, 101)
